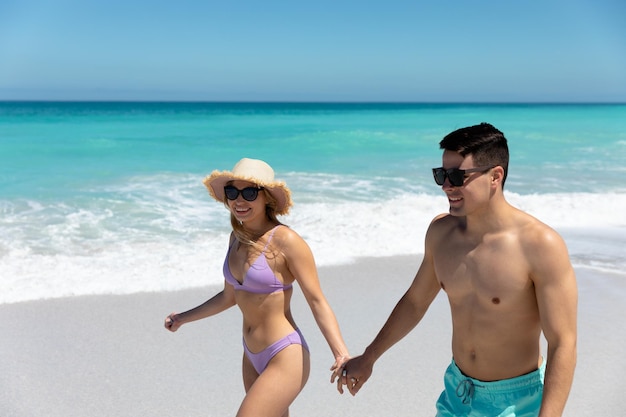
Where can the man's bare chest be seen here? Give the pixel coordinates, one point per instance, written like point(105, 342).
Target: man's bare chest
point(494, 271)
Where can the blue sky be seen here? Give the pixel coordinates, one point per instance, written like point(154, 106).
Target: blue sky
point(419, 51)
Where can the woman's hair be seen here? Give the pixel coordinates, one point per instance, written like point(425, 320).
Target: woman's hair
point(485, 143)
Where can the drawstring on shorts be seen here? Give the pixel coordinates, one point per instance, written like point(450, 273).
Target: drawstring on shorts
point(465, 390)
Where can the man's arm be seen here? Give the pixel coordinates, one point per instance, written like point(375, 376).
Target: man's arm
point(405, 316)
point(557, 299)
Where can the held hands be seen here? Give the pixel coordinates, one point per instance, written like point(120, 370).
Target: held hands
point(171, 324)
point(354, 373)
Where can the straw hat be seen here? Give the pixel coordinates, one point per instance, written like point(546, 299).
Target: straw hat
point(254, 171)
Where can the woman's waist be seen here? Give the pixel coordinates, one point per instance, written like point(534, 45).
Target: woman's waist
point(260, 334)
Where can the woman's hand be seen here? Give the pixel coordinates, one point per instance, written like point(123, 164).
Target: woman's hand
point(171, 324)
point(337, 370)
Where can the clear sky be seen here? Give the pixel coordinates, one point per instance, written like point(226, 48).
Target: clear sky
point(314, 50)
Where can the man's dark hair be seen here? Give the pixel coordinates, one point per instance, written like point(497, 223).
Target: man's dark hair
point(487, 145)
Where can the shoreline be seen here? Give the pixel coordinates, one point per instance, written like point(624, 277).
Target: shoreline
point(109, 355)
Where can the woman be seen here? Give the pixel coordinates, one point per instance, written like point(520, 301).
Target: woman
point(264, 258)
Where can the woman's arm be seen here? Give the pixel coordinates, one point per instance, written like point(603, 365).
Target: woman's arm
point(301, 265)
point(218, 303)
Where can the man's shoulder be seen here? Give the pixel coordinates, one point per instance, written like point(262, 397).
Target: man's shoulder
point(442, 226)
point(537, 236)
point(444, 221)
point(531, 227)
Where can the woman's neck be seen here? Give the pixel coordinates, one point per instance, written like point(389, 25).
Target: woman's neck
point(257, 230)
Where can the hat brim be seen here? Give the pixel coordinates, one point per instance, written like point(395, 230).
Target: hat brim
point(216, 181)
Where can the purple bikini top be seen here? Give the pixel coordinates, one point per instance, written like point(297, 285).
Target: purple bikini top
point(259, 278)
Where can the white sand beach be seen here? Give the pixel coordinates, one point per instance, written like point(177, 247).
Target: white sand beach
point(110, 355)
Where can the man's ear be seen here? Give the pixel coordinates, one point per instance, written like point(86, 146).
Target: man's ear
point(497, 175)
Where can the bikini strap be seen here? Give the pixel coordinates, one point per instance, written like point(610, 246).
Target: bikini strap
point(269, 239)
point(231, 242)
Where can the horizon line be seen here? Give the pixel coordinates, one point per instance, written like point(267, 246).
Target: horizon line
point(486, 102)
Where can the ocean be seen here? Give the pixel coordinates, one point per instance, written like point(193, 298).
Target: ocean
point(107, 198)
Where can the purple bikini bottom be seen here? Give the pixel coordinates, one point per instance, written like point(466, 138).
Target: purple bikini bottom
point(261, 359)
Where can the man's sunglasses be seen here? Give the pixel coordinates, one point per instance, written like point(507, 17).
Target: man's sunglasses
point(248, 193)
point(455, 175)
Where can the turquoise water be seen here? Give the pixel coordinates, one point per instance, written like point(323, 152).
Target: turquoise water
point(107, 197)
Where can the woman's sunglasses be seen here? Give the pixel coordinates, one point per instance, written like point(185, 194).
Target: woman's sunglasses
point(248, 193)
point(455, 175)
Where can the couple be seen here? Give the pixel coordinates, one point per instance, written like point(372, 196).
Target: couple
point(507, 277)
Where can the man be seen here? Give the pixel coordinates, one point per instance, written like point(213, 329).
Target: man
point(507, 277)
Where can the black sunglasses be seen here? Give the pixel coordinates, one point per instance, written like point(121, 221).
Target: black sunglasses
point(248, 193)
point(455, 175)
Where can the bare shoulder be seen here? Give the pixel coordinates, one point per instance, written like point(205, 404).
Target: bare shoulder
point(443, 217)
point(544, 250)
point(536, 236)
point(285, 233)
point(297, 257)
point(442, 225)
point(286, 239)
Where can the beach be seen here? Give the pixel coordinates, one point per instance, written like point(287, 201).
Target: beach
point(106, 228)
point(109, 355)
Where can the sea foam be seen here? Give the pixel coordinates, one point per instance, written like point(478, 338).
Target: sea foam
point(178, 241)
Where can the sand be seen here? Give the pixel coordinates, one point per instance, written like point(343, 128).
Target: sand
point(110, 355)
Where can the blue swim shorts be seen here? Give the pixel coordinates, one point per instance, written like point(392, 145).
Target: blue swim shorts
point(468, 397)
